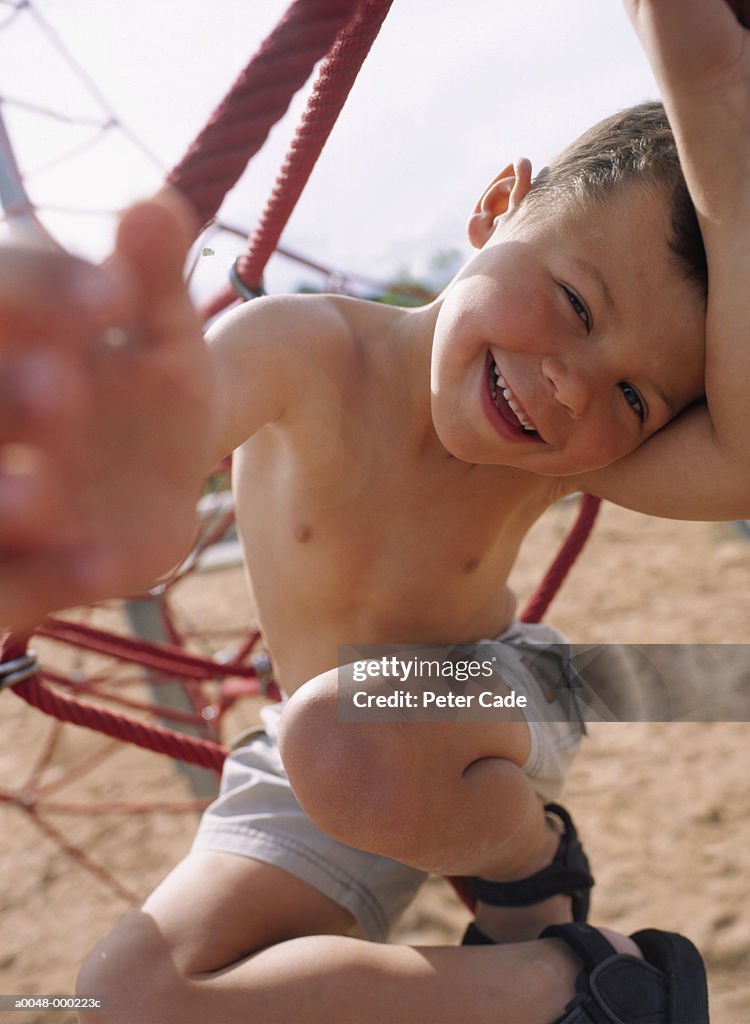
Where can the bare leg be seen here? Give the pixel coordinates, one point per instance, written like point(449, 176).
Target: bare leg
point(323, 979)
point(393, 789)
point(447, 798)
point(212, 911)
point(216, 942)
point(519, 924)
point(334, 978)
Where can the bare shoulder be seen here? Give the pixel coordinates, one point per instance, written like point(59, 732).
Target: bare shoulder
point(281, 321)
point(263, 348)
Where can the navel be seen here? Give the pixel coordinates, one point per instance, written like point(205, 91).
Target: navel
point(471, 565)
point(302, 532)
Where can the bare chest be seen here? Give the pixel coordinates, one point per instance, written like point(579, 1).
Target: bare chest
point(355, 537)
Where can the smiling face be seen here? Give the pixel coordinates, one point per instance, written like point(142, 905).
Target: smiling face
point(570, 338)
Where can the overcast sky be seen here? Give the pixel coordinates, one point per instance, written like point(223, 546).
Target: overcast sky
point(452, 91)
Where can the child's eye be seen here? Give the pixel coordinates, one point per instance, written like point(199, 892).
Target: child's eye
point(633, 399)
point(578, 306)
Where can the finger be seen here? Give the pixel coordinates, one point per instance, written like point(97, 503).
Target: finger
point(153, 240)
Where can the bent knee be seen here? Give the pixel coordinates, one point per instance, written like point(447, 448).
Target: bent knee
point(388, 789)
point(346, 775)
point(368, 785)
point(131, 973)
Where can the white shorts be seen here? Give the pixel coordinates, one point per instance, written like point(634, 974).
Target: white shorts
point(256, 814)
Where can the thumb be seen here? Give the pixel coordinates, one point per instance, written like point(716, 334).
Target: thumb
point(153, 240)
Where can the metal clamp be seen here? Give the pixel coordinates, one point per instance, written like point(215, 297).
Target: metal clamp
point(261, 663)
point(18, 669)
point(243, 290)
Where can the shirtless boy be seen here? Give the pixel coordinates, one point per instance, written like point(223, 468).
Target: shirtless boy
point(388, 464)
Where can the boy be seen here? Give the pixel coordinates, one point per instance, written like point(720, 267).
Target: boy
point(571, 353)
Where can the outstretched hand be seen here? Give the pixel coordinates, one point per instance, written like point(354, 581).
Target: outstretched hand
point(106, 398)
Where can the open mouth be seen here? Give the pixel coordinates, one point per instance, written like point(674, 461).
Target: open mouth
point(505, 401)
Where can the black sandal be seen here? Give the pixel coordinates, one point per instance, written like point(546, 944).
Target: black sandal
point(667, 987)
point(568, 874)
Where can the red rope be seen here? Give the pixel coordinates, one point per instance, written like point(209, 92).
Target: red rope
point(176, 745)
point(566, 556)
point(332, 87)
point(174, 716)
point(163, 658)
point(13, 645)
point(257, 100)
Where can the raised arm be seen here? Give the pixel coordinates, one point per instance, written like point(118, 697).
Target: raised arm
point(699, 466)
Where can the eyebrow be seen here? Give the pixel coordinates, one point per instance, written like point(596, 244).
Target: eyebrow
point(598, 278)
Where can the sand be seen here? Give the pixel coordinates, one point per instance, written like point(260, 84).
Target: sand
point(664, 807)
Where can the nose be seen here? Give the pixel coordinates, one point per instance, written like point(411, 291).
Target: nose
point(572, 384)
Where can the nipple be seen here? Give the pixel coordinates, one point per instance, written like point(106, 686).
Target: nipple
point(302, 532)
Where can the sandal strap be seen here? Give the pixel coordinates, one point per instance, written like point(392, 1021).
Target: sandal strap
point(568, 874)
point(586, 942)
point(668, 986)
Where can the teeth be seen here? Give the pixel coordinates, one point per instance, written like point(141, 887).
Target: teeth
point(501, 383)
point(524, 422)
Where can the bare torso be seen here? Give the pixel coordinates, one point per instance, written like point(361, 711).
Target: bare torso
point(358, 526)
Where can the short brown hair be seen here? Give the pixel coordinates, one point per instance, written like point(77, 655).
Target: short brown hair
point(634, 146)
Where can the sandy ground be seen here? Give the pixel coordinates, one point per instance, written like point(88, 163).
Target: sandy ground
point(664, 807)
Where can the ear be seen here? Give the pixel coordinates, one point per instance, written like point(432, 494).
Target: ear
point(503, 196)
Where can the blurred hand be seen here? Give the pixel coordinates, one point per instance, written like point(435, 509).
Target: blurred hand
point(106, 397)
